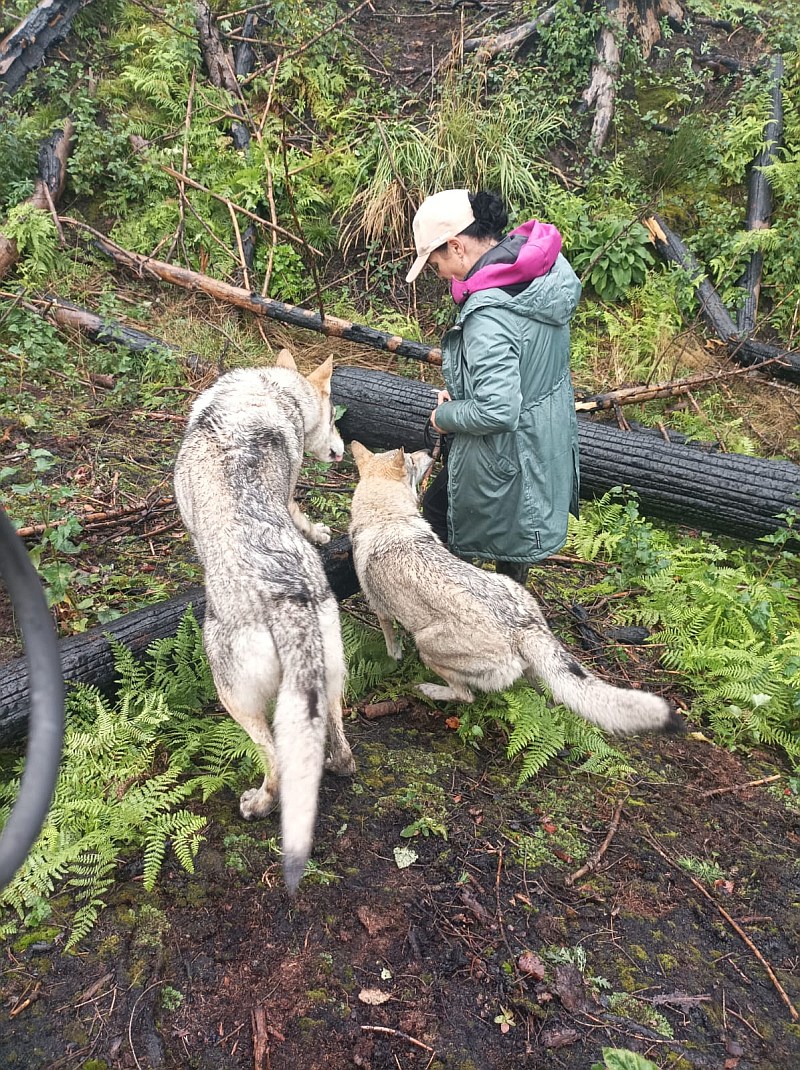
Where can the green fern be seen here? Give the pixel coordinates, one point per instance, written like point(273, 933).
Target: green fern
point(130, 767)
point(728, 619)
point(537, 732)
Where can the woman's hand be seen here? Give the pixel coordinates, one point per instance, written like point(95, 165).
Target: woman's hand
point(440, 397)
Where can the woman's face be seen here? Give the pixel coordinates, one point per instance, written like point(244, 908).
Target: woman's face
point(456, 259)
point(448, 263)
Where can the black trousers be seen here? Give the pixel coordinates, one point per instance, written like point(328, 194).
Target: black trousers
point(434, 510)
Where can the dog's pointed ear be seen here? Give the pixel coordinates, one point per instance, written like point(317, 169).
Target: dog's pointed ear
point(285, 360)
point(399, 463)
point(321, 376)
point(361, 455)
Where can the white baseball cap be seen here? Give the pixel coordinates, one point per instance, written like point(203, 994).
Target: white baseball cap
point(439, 217)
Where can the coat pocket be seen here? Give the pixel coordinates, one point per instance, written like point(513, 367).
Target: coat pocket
point(496, 453)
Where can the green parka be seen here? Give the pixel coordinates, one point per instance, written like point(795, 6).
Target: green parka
point(513, 461)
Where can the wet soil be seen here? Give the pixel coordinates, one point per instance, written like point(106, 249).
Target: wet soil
point(477, 955)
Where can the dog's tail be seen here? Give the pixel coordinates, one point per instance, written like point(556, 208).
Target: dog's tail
point(616, 709)
point(299, 726)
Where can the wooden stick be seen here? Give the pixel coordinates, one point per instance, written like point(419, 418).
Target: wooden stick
point(95, 519)
point(396, 1033)
point(733, 924)
point(741, 787)
point(261, 1059)
point(633, 395)
point(591, 865)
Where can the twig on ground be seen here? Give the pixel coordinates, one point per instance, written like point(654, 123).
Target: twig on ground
point(90, 520)
point(741, 787)
point(396, 1033)
point(591, 865)
point(733, 924)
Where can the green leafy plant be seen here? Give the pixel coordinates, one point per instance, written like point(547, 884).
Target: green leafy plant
point(621, 1059)
point(35, 233)
point(727, 619)
point(537, 732)
point(615, 255)
point(466, 142)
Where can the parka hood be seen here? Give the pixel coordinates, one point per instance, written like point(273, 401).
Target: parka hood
point(522, 256)
point(550, 298)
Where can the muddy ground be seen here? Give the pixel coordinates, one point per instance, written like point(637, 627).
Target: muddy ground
point(477, 955)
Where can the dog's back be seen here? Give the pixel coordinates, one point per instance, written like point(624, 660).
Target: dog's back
point(474, 628)
point(271, 625)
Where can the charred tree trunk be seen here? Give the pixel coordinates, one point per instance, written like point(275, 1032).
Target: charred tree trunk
point(783, 363)
point(759, 202)
point(265, 307)
point(224, 70)
point(24, 48)
point(724, 493)
point(109, 332)
point(486, 48)
point(53, 154)
point(88, 658)
point(624, 18)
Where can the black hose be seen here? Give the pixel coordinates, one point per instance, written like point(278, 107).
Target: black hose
point(46, 688)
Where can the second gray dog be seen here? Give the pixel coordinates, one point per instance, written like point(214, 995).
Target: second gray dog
point(476, 629)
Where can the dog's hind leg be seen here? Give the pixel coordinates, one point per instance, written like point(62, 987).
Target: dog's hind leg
point(246, 673)
point(255, 802)
point(394, 648)
point(340, 760)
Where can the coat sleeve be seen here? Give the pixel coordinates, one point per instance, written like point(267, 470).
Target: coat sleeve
point(491, 355)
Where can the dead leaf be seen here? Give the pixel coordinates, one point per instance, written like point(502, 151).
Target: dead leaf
point(373, 997)
point(531, 965)
point(558, 1038)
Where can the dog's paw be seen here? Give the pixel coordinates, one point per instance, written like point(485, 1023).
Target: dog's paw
point(255, 803)
point(319, 534)
point(341, 765)
point(440, 693)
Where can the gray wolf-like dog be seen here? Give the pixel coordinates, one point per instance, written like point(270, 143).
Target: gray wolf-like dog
point(475, 629)
point(271, 627)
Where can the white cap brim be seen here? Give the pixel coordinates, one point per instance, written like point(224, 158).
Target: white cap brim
point(417, 266)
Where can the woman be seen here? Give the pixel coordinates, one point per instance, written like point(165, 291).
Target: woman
point(511, 476)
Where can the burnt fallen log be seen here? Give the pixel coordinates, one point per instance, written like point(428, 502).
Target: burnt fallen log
point(486, 48)
point(53, 154)
point(108, 332)
point(639, 19)
point(721, 493)
point(759, 202)
point(264, 307)
point(25, 47)
point(88, 658)
point(783, 362)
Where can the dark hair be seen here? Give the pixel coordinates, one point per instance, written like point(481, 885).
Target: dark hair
point(491, 216)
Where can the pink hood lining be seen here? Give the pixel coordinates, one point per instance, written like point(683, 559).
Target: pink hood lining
point(535, 259)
